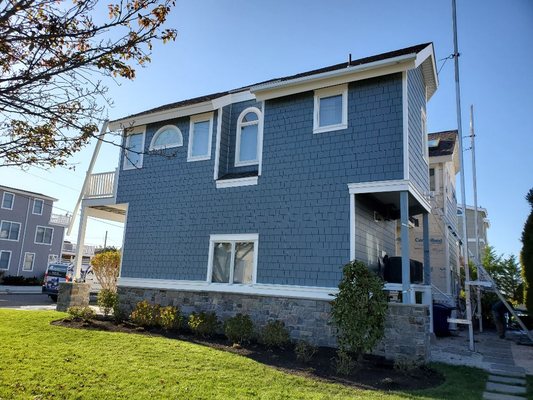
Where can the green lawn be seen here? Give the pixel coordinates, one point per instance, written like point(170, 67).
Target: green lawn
point(41, 361)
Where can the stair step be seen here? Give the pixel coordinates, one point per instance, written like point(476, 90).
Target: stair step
point(505, 372)
point(459, 321)
point(503, 388)
point(507, 380)
point(499, 396)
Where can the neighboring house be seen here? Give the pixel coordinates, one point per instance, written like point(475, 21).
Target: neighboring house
point(30, 234)
point(444, 165)
point(252, 200)
point(69, 251)
point(483, 224)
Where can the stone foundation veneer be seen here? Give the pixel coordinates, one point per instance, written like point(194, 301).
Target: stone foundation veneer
point(72, 295)
point(406, 339)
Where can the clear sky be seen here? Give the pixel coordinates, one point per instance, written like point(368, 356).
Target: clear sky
point(225, 44)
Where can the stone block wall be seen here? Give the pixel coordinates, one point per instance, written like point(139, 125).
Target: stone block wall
point(72, 295)
point(406, 329)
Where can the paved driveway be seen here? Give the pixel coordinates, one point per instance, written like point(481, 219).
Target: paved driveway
point(27, 301)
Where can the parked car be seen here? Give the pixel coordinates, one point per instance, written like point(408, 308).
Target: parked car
point(56, 273)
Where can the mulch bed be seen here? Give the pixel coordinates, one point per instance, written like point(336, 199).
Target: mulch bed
point(374, 372)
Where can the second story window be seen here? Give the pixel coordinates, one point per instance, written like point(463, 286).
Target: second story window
point(200, 137)
point(38, 205)
point(5, 258)
point(133, 154)
point(249, 126)
point(432, 179)
point(166, 137)
point(331, 109)
point(44, 235)
point(9, 230)
point(7, 200)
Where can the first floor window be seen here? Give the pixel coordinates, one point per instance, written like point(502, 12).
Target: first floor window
point(38, 206)
point(5, 257)
point(29, 258)
point(9, 230)
point(7, 200)
point(233, 258)
point(43, 235)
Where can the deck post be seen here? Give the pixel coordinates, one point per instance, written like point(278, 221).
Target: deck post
point(406, 272)
point(80, 245)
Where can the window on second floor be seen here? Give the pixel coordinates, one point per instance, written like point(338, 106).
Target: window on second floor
point(44, 235)
point(200, 137)
point(432, 179)
point(133, 153)
point(9, 230)
point(331, 109)
point(166, 137)
point(5, 258)
point(249, 125)
point(38, 205)
point(7, 200)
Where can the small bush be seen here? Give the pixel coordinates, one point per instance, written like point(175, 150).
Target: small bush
point(239, 329)
point(119, 315)
point(274, 334)
point(203, 324)
point(305, 351)
point(21, 280)
point(170, 318)
point(344, 363)
point(145, 314)
point(83, 313)
point(107, 299)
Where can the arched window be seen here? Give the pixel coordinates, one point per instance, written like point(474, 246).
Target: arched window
point(165, 137)
point(249, 127)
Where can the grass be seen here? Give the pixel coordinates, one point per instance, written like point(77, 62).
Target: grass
point(41, 361)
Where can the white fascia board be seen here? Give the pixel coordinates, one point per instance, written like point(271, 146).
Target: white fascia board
point(426, 58)
point(229, 183)
point(349, 74)
point(165, 115)
point(258, 289)
point(232, 98)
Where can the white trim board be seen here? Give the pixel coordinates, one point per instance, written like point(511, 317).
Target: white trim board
point(229, 183)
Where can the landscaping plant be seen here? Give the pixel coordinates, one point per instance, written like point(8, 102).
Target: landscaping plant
point(145, 314)
point(358, 311)
point(203, 324)
point(81, 313)
point(526, 256)
point(274, 334)
point(170, 317)
point(239, 329)
point(305, 351)
point(105, 266)
point(107, 301)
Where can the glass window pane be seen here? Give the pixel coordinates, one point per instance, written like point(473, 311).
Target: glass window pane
point(200, 141)
point(48, 235)
point(4, 259)
point(38, 207)
point(4, 230)
point(330, 110)
point(244, 263)
point(248, 145)
point(14, 233)
point(221, 262)
point(249, 117)
point(28, 262)
point(133, 158)
point(168, 138)
point(7, 200)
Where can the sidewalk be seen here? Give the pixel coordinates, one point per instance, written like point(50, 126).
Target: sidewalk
point(7, 289)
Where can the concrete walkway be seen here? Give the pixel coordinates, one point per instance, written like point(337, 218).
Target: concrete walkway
point(9, 289)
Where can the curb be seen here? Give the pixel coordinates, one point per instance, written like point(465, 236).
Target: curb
point(5, 289)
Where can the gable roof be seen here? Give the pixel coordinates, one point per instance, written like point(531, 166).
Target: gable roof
point(26, 192)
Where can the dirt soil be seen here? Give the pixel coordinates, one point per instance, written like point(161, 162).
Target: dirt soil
point(373, 372)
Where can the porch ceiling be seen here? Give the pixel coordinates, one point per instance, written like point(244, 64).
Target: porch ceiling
point(388, 204)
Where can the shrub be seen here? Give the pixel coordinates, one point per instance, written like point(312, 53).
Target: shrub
point(274, 334)
point(107, 300)
point(344, 363)
point(119, 315)
point(105, 266)
point(83, 313)
point(170, 318)
point(358, 310)
point(20, 280)
point(239, 329)
point(145, 314)
point(305, 351)
point(203, 324)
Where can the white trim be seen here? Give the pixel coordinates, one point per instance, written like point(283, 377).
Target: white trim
point(24, 262)
point(405, 114)
point(232, 98)
point(51, 236)
point(33, 208)
point(138, 130)
point(260, 140)
point(217, 143)
point(240, 124)
point(9, 261)
point(423, 127)
point(340, 90)
point(11, 222)
point(259, 289)
point(166, 146)
point(352, 226)
point(12, 200)
point(123, 240)
point(229, 183)
point(206, 117)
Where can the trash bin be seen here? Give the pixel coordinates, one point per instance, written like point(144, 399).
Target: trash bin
point(441, 313)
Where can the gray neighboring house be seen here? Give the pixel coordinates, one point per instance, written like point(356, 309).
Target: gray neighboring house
point(31, 236)
point(483, 224)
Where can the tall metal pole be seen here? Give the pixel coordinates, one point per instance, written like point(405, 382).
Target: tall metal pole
point(476, 231)
point(463, 194)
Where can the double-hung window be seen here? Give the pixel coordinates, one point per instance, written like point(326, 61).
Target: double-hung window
point(29, 258)
point(9, 230)
point(5, 258)
point(200, 137)
point(7, 200)
point(38, 205)
point(331, 109)
point(133, 154)
point(43, 235)
point(233, 258)
point(249, 127)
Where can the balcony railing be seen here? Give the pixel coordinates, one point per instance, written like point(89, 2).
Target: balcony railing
point(63, 220)
point(101, 185)
point(71, 248)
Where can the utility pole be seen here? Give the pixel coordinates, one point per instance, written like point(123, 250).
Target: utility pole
point(463, 194)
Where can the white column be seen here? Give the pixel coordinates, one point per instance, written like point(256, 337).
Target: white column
point(80, 244)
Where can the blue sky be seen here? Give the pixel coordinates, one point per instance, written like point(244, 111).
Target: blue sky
point(225, 44)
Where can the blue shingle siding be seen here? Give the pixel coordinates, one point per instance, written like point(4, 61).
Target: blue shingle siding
point(300, 207)
point(418, 167)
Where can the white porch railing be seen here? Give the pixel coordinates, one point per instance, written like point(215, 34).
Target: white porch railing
point(72, 247)
point(63, 220)
point(101, 185)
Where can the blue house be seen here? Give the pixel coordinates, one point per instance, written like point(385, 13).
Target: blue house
point(252, 200)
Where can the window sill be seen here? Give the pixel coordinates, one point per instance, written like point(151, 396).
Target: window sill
point(330, 128)
point(236, 182)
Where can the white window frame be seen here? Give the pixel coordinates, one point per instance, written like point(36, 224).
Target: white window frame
point(423, 127)
point(8, 262)
point(167, 146)
point(24, 262)
point(12, 201)
point(193, 120)
point(51, 236)
point(328, 92)
point(134, 131)
point(11, 222)
point(42, 207)
point(233, 239)
point(240, 125)
point(53, 258)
